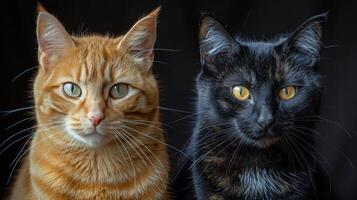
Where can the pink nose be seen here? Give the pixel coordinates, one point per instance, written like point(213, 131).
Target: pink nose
point(95, 119)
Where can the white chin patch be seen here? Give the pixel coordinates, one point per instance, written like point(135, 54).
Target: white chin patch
point(91, 140)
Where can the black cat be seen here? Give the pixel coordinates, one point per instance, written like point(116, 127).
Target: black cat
point(257, 103)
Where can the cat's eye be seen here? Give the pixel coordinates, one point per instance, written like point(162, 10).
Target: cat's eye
point(241, 93)
point(287, 93)
point(72, 90)
point(119, 91)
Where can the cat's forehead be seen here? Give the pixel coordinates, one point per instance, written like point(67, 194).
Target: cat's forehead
point(97, 48)
point(260, 60)
point(96, 59)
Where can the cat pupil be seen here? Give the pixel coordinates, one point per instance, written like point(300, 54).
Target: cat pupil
point(286, 91)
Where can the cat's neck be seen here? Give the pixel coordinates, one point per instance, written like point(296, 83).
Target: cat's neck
point(101, 163)
point(117, 167)
point(247, 156)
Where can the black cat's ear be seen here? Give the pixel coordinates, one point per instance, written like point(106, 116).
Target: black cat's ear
point(306, 40)
point(214, 40)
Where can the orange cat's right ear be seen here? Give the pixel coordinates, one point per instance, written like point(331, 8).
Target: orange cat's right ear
point(40, 8)
point(53, 40)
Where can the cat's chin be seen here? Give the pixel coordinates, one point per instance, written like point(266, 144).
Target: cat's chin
point(91, 140)
point(95, 139)
point(267, 142)
point(264, 142)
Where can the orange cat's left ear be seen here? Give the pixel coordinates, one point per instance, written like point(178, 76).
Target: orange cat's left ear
point(140, 40)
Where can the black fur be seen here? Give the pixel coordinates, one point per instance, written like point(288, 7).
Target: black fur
point(261, 148)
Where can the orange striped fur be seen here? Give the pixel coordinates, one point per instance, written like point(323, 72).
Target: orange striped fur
point(124, 156)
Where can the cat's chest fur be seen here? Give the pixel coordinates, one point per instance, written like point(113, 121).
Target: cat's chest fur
point(251, 182)
point(234, 173)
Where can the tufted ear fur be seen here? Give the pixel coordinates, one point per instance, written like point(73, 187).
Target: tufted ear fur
point(306, 40)
point(140, 40)
point(53, 39)
point(214, 40)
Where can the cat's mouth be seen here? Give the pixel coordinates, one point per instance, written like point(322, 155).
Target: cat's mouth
point(92, 137)
point(266, 141)
point(263, 140)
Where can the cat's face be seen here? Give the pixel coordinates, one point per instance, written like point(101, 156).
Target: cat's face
point(91, 85)
point(264, 89)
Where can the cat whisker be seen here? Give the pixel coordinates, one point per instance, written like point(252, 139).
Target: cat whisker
point(17, 160)
point(180, 119)
point(288, 150)
point(229, 144)
point(8, 112)
point(209, 137)
point(212, 149)
point(14, 142)
point(155, 168)
point(19, 122)
point(349, 160)
point(160, 62)
point(35, 143)
point(321, 119)
point(130, 146)
point(309, 169)
point(159, 141)
point(214, 125)
point(236, 151)
point(22, 73)
point(23, 147)
point(67, 148)
point(30, 128)
point(144, 124)
point(329, 46)
point(338, 125)
point(173, 109)
point(159, 49)
point(131, 161)
point(310, 146)
point(293, 149)
point(55, 145)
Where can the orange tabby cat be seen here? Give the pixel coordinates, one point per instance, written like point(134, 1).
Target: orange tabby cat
point(98, 133)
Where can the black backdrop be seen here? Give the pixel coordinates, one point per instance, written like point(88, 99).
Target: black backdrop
point(176, 69)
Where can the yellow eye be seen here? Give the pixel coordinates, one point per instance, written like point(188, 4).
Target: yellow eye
point(287, 93)
point(241, 93)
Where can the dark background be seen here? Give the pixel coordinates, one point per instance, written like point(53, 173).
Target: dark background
point(176, 70)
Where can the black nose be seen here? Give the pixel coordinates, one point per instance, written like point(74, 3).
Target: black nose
point(265, 120)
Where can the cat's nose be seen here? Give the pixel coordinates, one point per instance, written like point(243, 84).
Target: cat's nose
point(95, 119)
point(265, 120)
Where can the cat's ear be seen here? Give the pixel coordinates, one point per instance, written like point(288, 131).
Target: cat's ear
point(53, 40)
point(140, 40)
point(306, 40)
point(214, 40)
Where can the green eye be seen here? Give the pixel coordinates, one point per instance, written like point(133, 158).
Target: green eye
point(72, 90)
point(119, 91)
